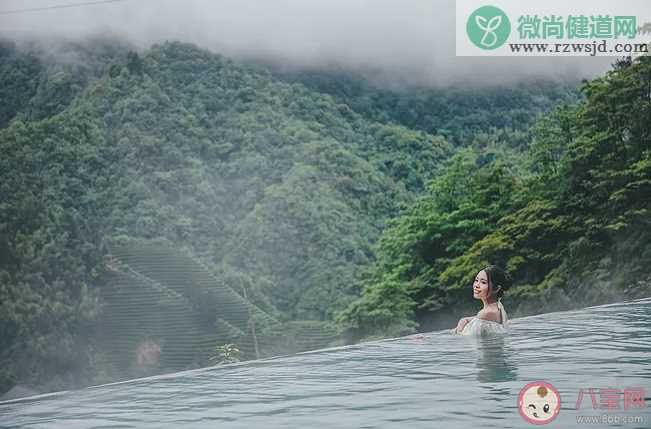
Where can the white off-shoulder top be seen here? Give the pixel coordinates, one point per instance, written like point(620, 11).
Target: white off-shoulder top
point(480, 327)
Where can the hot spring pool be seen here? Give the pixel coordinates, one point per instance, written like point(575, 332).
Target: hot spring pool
point(439, 380)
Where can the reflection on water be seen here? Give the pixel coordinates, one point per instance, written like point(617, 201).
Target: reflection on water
point(438, 380)
point(493, 364)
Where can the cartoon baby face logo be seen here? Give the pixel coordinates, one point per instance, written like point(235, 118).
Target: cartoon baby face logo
point(539, 403)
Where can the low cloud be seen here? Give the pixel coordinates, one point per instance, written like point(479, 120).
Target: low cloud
point(405, 42)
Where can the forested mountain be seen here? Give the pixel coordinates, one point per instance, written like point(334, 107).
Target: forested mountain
point(573, 229)
point(273, 193)
point(250, 175)
point(457, 112)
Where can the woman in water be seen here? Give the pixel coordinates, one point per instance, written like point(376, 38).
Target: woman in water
point(489, 286)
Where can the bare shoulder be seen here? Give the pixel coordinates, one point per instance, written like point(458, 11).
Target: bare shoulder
point(491, 315)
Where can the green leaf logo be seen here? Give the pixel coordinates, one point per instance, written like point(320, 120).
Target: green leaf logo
point(488, 27)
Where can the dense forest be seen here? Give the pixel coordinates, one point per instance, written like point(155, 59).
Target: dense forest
point(572, 227)
point(459, 113)
point(170, 201)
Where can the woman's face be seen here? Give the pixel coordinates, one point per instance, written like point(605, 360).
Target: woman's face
point(480, 286)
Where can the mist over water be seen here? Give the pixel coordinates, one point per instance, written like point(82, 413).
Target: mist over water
point(395, 43)
point(421, 382)
point(440, 379)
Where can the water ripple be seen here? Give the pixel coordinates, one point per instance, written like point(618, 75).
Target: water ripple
point(437, 380)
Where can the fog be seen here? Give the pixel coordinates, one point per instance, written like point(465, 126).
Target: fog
point(396, 41)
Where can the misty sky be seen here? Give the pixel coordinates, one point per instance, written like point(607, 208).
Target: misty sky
point(408, 41)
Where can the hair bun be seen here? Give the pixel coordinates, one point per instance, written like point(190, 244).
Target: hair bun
point(498, 277)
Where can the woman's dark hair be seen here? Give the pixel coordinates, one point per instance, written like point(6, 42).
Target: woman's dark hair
point(497, 277)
